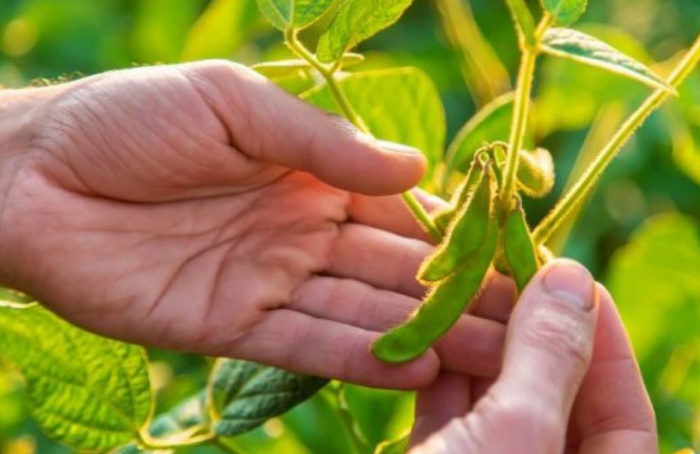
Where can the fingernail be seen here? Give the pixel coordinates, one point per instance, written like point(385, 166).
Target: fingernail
point(394, 147)
point(571, 283)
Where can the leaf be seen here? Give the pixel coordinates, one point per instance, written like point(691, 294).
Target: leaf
point(583, 48)
point(398, 446)
point(400, 105)
point(246, 394)
point(293, 14)
point(85, 391)
point(490, 124)
point(356, 21)
point(220, 30)
point(565, 12)
point(683, 123)
point(654, 280)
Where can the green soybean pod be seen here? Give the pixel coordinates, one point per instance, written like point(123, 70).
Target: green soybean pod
point(443, 306)
point(462, 195)
point(466, 232)
point(536, 173)
point(518, 248)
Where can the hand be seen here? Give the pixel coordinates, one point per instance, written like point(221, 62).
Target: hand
point(198, 207)
point(557, 392)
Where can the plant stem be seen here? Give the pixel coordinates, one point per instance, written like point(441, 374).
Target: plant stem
point(586, 184)
point(328, 73)
point(526, 75)
point(219, 443)
point(173, 442)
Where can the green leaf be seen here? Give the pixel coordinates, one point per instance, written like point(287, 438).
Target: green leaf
point(221, 29)
point(293, 14)
point(490, 124)
point(356, 21)
point(400, 105)
point(654, 281)
point(85, 391)
point(245, 394)
point(583, 48)
point(565, 12)
point(399, 446)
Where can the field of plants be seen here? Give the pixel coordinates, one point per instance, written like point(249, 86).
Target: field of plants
point(444, 78)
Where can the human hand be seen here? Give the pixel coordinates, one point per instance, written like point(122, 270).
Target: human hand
point(198, 207)
point(558, 392)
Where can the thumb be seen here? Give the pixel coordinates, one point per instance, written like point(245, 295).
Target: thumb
point(549, 346)
point(267, 124)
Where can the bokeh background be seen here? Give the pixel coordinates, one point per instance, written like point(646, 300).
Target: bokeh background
point(640, 233)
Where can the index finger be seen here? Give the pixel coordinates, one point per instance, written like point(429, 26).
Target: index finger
point(613, 412)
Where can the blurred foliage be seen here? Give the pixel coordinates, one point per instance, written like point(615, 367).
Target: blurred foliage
point(652, 273)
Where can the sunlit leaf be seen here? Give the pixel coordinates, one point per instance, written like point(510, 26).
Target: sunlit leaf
point(490, 124)
point(86, 391)
point(580, 47)
point(571, 95)
point(400, 105)
point(220, 30)
point(293, 14)
point(565, 12)
point(356, 21)
point(399, 446)
point(655, 282)
point(246, 394)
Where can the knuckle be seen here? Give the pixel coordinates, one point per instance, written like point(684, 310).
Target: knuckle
point(560, 335)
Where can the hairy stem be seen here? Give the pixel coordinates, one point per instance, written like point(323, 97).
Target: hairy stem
point(582, 189)
point(328, 73)
point(526, 75)
point(177, 441)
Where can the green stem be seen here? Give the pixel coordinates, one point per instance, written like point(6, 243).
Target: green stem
point(422, 216)
point(328, 73)
point(582, 189)
point(148, 442)
point(526, 75)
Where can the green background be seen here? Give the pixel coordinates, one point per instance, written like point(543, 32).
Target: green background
point(640, 234)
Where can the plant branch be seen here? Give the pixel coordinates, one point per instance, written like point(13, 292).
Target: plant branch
point(586, 184)
point(177, 441)
point(355, 435)
point(328, 73)
point(526, 75)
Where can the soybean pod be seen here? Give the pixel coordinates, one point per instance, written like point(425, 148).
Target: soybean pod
point(466, 232)
point(518, 247)
point(461, 196)
point(443, 306)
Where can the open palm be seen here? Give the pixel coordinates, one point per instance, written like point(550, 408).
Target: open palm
point(198, 207)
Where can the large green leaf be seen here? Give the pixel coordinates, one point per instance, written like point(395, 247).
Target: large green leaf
point(220, 30)
point(655, 282)
point(492, 123)
point(246, 394)
point(684, 125)
point(400, 105)
point(565, 12)
point(86, 391)
point(580, 47)
point(355, 21)
point(293, 14)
